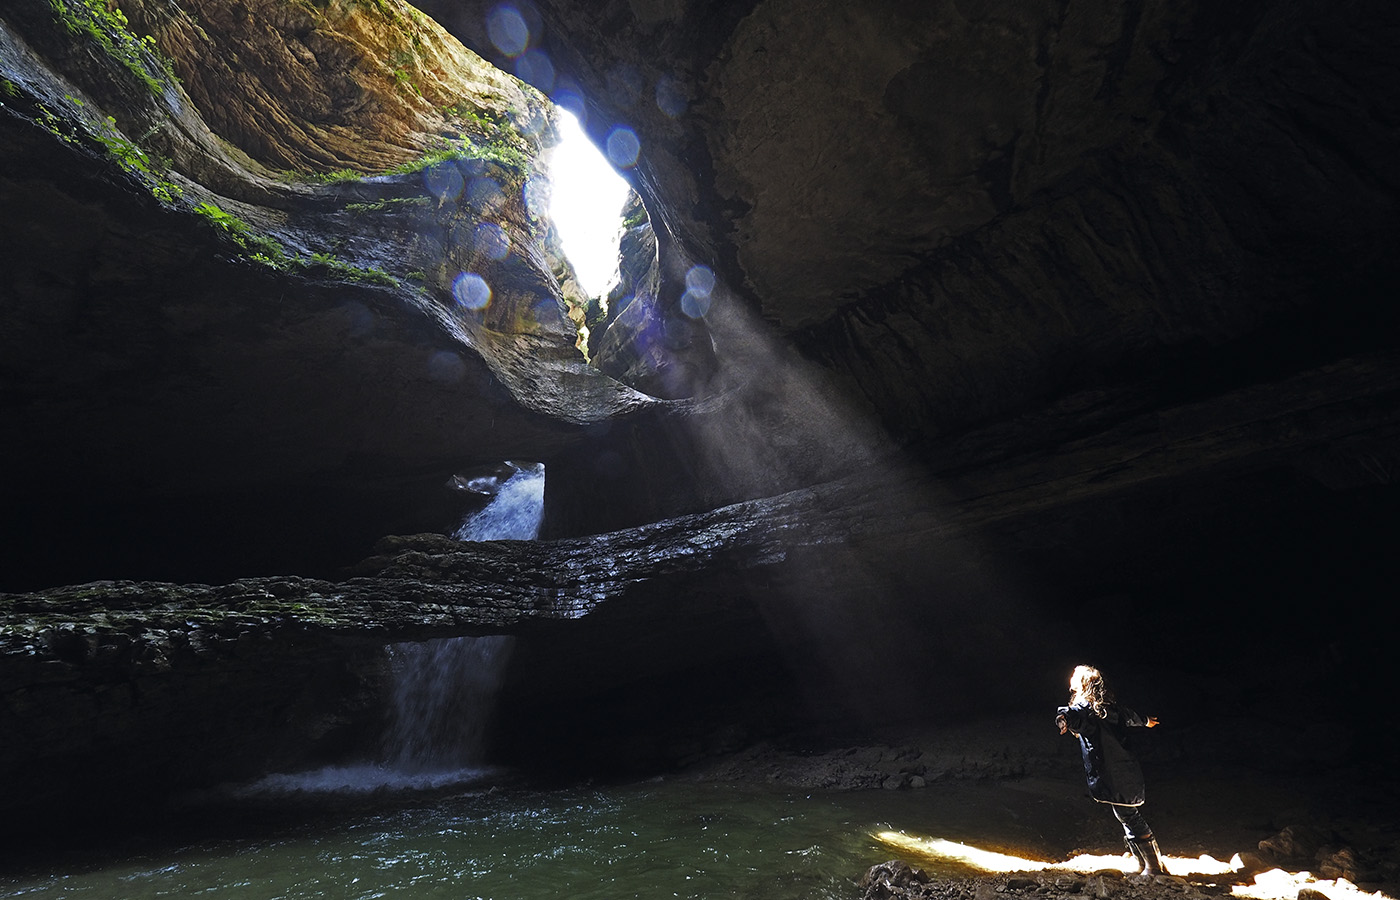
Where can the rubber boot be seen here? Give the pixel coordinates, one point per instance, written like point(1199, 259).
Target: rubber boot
point(1137, 854)
point(1145, 849)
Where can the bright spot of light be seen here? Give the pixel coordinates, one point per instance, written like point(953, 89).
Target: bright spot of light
point(586, 199)
point(534, 67)
point(471, 290)
point(623, 147)
point(699, 284)
point(1274, 884)
point(989, 861)
point(508, 30)
point(986, 860)
point(1277, 884)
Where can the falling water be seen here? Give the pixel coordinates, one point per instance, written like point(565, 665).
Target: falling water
point(442, 696)
point(514, 513)
point(443, 690)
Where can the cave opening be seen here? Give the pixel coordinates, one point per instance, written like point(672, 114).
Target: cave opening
point(586, 201)
point(1096, 516)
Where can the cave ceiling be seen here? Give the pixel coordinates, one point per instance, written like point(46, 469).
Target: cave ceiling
point(1021, 311)
point(228, 274)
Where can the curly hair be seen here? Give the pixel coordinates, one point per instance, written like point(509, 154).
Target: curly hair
point(1087, 688)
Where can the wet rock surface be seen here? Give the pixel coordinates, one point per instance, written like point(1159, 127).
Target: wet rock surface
point(193, 330)
point(1337, 823)
point(1040, 332)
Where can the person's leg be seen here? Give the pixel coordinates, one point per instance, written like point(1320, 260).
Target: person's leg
point(1138, 836)
point(1135, 827)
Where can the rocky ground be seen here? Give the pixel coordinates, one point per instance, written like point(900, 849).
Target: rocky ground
point(1210, 792)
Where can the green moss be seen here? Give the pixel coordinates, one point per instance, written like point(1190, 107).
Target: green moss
point(265, 250)
point(258, 247)
point(151, 172)
point(347, 271)
point(137, 162)
point(406, 83)
point(484, 120)
point(56, 126)
point(336, 177)
point(109, 28)
point(385, 205)
point(8, 88)
point(500, 153)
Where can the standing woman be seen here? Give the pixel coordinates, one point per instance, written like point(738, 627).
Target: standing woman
point(1114, 775)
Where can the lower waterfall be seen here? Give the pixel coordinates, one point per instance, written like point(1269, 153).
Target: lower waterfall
point(444, 690)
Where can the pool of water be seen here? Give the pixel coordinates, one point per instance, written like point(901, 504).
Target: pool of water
point(661, 839)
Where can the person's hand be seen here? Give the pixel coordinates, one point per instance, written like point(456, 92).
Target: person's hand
point(1151, 721)
point(1063, 725)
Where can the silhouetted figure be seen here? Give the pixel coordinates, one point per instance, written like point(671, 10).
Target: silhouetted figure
point(1114, 775)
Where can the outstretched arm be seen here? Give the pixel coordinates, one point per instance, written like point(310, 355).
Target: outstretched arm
point(1132, 719)
point(1070, 719)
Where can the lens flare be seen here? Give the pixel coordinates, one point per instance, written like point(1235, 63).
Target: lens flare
point(443, 182)
point(695, 305)
point(534, 68)
point(507, 30)
point(485, 194)
point(446, 367)
point(700, 280)
point(571, 101)
point(492, 241)
point(471, 291)
point(670, 97)
point(623, 147)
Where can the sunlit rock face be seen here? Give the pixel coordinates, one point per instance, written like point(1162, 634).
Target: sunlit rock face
point(1000, 236)
point(964, 209)
point(209, 345)
point(321, 86)
point(1075, 320)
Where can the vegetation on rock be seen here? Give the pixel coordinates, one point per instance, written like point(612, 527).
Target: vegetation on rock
point(110, 29)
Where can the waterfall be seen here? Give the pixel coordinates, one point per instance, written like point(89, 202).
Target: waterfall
point(513, 513)
point(444, 690)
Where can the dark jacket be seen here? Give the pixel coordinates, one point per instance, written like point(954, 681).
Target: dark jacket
point(1113, 774)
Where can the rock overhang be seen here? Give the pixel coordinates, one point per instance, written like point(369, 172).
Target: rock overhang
point(1152, 245)
point(215, 327)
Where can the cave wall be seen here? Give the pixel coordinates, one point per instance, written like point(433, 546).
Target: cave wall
point(997, 233)
point(218, 366)
point(962, 213)
point(1109, 285)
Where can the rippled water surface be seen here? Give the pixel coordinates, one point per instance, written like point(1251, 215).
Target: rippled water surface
point(664, 839)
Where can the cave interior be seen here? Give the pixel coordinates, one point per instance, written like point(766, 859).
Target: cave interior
point(953, 344)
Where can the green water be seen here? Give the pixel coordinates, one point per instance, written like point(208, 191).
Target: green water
point(657, 840)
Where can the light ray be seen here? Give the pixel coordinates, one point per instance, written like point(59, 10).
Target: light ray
point(1274, 884)
point(586, 199)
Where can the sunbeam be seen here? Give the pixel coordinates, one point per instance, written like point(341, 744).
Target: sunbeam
point(586, 198)
point(1275, 884)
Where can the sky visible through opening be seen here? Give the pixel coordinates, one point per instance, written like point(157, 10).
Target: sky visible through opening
point(586, 199)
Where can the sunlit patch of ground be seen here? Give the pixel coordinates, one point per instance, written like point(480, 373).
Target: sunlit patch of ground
point(1274, 884)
